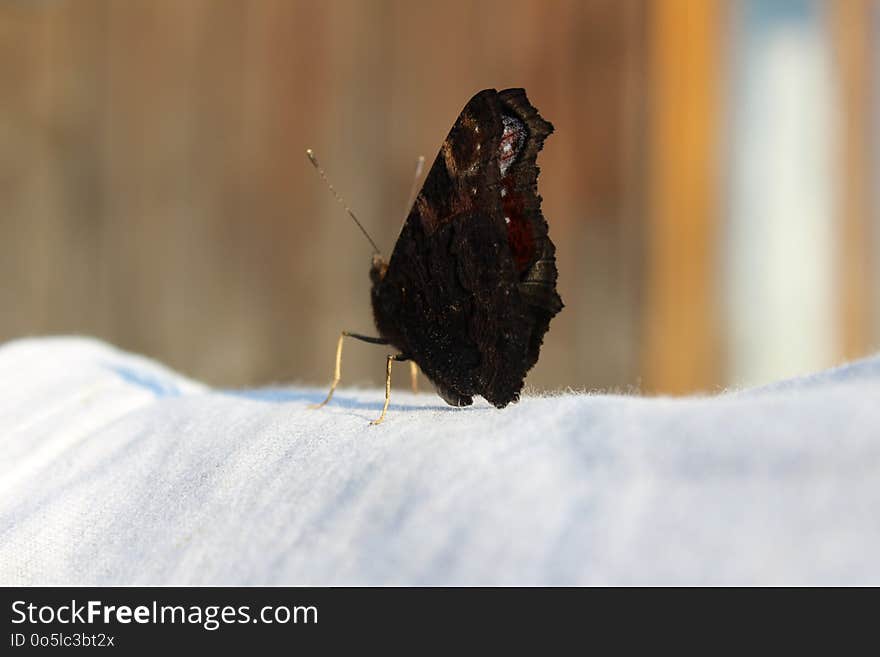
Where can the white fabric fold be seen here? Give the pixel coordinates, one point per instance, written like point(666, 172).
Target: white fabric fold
point(114, 470)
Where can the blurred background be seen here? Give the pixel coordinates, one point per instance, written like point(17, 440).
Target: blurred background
point(710, 186)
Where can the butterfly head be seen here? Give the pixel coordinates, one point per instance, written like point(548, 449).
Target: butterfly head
point(378, 268)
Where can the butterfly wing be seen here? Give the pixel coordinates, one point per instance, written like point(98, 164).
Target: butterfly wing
point(469, 290)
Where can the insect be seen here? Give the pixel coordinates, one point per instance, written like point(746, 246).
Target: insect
point(470, 288)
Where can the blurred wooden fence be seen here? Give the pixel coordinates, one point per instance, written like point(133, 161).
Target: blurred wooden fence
point(154, 190)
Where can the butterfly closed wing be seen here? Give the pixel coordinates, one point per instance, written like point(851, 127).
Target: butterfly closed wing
point(470, 288)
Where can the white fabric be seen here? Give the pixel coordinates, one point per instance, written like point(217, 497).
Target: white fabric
point(115, 470)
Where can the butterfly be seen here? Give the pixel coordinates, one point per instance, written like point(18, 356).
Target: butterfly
point(470, 288)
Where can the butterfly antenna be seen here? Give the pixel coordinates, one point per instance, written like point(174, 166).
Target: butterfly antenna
point(415, 183)
point(341, 201)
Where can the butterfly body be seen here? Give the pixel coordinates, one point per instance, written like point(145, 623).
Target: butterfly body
point(470, 288)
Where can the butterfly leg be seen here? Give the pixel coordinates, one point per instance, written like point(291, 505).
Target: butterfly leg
point(338, 372)
point(391, 358)
point(414, 375)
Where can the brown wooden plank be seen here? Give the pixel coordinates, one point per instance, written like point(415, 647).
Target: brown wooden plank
point(680, 341)
point(852, 26)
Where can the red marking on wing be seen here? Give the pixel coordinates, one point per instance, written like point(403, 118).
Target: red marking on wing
point(511, 139)
point(519, 229)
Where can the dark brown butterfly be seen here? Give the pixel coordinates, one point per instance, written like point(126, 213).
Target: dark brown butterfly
point(470, 288)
